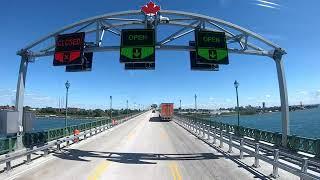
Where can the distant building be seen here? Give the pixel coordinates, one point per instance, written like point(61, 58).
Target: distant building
point(7, 107)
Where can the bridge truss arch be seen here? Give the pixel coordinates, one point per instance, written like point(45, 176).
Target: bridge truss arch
point(99, 28)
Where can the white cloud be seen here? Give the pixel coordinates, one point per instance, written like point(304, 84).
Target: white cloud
point(266, 6)
point(268, 96)
point(268, 2)
point(302, 92)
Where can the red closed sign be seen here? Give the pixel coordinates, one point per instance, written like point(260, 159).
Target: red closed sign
point(69, 49)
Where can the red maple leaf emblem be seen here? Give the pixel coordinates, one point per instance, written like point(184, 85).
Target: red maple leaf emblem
point(150, 9)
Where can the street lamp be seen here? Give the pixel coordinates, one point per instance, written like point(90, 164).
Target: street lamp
point(127, 108)
point(67, 84)
point(236, 85)
point(195, 103)
point(110, 107)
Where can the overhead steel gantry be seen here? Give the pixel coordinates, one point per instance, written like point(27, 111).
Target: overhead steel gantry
point(239, 40)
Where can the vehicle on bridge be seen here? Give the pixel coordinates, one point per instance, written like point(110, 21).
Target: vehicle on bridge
point(166, 111)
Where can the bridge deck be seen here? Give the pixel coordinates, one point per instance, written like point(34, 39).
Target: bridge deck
point(142, 148)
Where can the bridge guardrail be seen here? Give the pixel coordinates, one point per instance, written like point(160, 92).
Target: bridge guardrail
point(7, 144)
point(253, 148)
point(295, 143)
point(41, 137)
point(7, 158)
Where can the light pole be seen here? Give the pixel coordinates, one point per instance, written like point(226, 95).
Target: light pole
point(236, 85)
point(180, 104)
point(195, 103)
point(67, 84)
point(127, 108)
point(110, 107)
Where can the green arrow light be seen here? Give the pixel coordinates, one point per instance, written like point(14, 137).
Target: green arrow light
point(136, 53)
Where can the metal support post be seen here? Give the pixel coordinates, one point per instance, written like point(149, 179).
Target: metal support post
point(20, 97)
point(241, 148)
point(275, 173)
point(28, 159)
point(203, 130)
point(58, 147)
point(304, 166)
point(208, 134)
point(283, 97)
point(221, 139)
point(256, 158)
point(8, 166)
point(214, 137)
point(45, 152)
point(230, 143)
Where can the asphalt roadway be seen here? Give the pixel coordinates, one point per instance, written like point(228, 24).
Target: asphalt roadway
point(143, 148)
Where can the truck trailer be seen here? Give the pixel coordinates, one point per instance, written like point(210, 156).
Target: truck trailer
point(166, 111)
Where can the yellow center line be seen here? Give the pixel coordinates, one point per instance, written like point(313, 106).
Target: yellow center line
point(163, 135)
point(97, 172)
point(179, 177)
point(130, 135)
point(175, 171)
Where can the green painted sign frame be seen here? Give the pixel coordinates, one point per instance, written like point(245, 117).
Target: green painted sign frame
point(211, 47)
point(137, 46)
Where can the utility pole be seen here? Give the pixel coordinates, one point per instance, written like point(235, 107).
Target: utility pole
point(180, 104)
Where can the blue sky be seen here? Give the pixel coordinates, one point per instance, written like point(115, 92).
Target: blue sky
point(291, 24)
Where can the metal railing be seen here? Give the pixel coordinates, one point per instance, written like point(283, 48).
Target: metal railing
point(40, 138)
point(295, 143)
point(260, 151)
point(7, 144)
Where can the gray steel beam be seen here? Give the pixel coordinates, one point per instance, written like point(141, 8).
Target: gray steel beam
point(88, 20)
point(254, 47)
point(164, 47)
point(169, 38)
point(20, 96)
point(284, 100)
point(219, 21)
point(165, 12)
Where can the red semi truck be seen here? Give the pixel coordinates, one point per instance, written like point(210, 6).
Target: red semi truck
point(166, 111)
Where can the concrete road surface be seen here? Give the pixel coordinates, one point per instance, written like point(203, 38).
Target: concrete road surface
point(143, 148)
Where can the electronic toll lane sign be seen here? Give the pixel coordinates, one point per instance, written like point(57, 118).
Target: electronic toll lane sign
point(137, 46)
point(200, 67)
point(69, 49)
point(211, 47)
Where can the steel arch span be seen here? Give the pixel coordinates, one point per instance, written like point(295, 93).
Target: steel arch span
point(99, 28)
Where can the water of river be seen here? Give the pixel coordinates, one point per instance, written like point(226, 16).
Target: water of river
point(43, 123)
point(303, 123)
